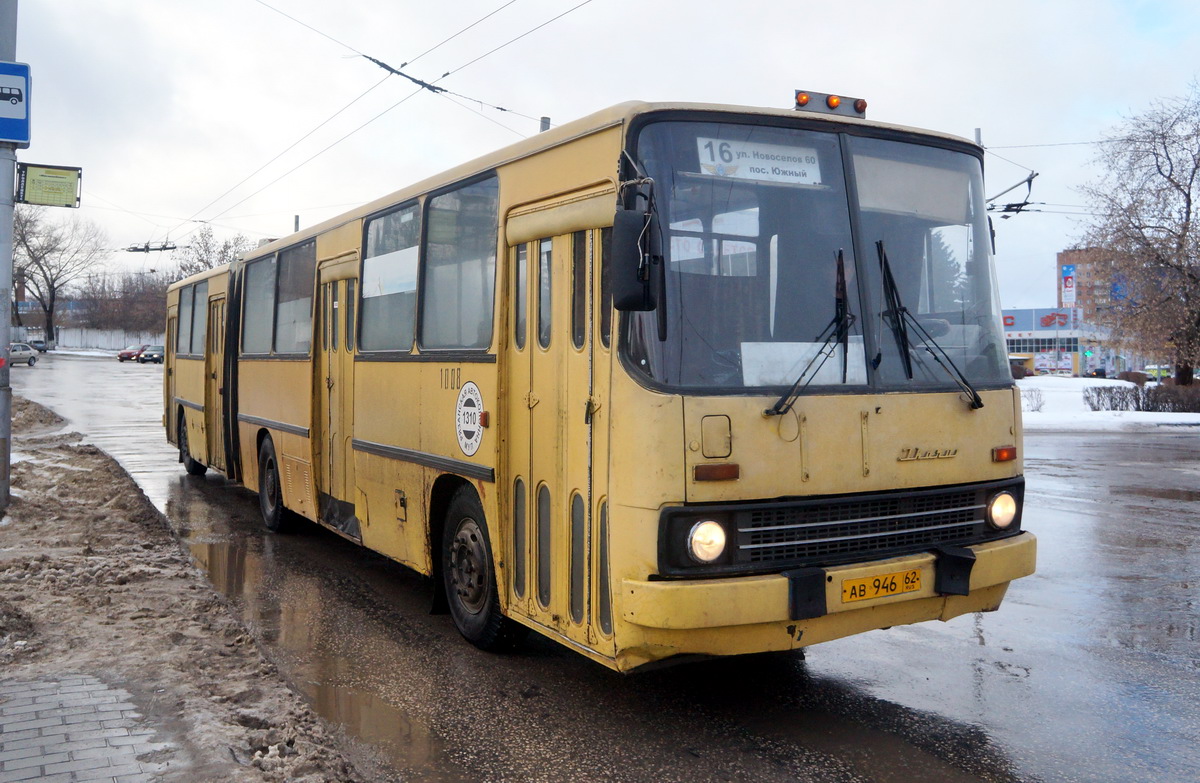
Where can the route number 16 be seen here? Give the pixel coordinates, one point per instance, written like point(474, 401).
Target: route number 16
point(723, 150)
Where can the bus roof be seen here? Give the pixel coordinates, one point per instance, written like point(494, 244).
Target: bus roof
point(619, 114)
point(203, 275)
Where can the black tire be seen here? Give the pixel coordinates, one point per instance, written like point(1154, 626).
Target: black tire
point(270, 493)
point(469, 577)
point(32, 360)
point(121, 359)
point(193, 467)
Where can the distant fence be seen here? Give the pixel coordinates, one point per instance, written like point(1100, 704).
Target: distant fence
point(105, 339)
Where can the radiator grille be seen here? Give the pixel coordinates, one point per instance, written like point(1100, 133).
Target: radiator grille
point(824, 531)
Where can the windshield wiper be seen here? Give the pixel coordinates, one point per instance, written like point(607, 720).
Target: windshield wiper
point(837, 332)
point(899, 318)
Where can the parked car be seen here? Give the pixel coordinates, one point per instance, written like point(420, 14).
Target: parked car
point(21, 353)
point(39, 345)
point(153, 354)
point(131, 353)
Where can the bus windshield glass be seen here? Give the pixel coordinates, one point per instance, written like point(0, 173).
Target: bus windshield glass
point(767, 285)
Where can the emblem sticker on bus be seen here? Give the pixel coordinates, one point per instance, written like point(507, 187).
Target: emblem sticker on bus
point(467, 417)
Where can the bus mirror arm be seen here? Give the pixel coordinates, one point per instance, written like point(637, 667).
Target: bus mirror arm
point(632, 261)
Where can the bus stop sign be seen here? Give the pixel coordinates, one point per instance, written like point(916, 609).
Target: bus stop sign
point(14, 104)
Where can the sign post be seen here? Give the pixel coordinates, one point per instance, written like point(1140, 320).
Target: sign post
point(14, 133)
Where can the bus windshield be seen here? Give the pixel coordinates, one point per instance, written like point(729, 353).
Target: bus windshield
point(769, 281)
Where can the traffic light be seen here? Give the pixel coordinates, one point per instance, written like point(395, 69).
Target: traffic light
point(1088, 352)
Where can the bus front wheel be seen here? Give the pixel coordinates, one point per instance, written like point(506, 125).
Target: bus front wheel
point(193, 467)
point(469, 577)
point(270, 494)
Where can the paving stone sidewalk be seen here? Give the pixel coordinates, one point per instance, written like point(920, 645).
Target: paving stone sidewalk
point(75, 728)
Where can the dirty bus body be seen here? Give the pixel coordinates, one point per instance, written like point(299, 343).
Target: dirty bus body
point(671, 380)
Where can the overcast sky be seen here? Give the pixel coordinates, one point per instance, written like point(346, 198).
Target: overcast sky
point(169, 104)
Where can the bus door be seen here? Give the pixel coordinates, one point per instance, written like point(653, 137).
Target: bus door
point(334, 397)
point(214, 381)
point(551, 411)
point(169, 403)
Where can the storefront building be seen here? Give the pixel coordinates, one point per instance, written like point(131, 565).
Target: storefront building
point(1057, 340)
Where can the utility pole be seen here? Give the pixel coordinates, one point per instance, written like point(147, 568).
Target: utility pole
point(8, 164)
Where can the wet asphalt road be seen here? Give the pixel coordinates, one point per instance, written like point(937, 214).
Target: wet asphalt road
point(1089, 672)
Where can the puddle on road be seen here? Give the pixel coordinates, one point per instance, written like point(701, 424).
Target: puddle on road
point(247, 579)
point(1160, 493)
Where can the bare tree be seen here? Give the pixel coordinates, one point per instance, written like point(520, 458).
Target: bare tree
point(134, 301)
point(205, 251)
point(1145, 226)
point(49, 256)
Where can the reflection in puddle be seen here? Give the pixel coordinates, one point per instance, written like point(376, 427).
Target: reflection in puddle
point(280, 589)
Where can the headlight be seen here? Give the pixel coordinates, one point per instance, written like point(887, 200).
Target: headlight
point(1002, 510)
point(706, 541)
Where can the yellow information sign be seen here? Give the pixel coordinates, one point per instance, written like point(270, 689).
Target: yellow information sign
point(50, 186)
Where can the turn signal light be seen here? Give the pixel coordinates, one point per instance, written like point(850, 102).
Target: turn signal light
point(1004, 454)
point(833, 101)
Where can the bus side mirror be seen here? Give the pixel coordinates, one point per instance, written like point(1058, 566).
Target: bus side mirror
point(632, 290)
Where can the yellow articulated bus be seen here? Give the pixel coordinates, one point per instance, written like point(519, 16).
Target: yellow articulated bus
point(667, 381)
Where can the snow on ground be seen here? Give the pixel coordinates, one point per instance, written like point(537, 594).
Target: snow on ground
point(1063, 409)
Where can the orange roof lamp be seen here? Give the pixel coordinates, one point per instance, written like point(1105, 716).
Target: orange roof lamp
point(807, 100)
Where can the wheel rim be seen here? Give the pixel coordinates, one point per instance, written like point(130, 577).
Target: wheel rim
point(469, 566)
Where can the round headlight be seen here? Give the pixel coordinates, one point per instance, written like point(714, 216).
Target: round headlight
point(706, 541)
point(1002, 510)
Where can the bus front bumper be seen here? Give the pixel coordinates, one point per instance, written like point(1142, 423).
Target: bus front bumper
point(779, 598)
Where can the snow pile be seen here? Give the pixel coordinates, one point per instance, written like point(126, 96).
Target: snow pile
point(1052, 402)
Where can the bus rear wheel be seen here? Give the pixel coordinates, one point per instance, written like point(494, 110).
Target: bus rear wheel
point(469, 577)
point(193, 467)
point(270, 494)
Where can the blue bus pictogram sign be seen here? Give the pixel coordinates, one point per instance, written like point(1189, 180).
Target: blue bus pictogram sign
point(14, 103)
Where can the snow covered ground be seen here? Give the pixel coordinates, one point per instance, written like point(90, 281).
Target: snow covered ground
point(1063, 409)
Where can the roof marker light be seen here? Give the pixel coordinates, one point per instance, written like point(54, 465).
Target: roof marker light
point(833, 101)
point(802, 99)
point(860, 106)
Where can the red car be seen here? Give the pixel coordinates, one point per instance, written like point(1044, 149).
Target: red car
point(132, 352)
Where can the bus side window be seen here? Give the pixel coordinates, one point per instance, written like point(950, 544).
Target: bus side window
point(293, 306)
point(545, 287)
point(258, 307)
point(199, 319)
point(350, 301)
point(520, 294)
point(605, 287)
point(458, 276)
point(579, 288)
point(184, 336)
point(389, 281)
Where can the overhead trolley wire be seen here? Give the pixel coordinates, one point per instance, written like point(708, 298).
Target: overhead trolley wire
point(419, 89)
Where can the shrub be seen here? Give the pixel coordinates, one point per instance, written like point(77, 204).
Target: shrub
point(1153, 399)
point(1032, 400)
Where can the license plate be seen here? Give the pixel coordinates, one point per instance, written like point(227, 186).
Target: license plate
point(895, 583)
